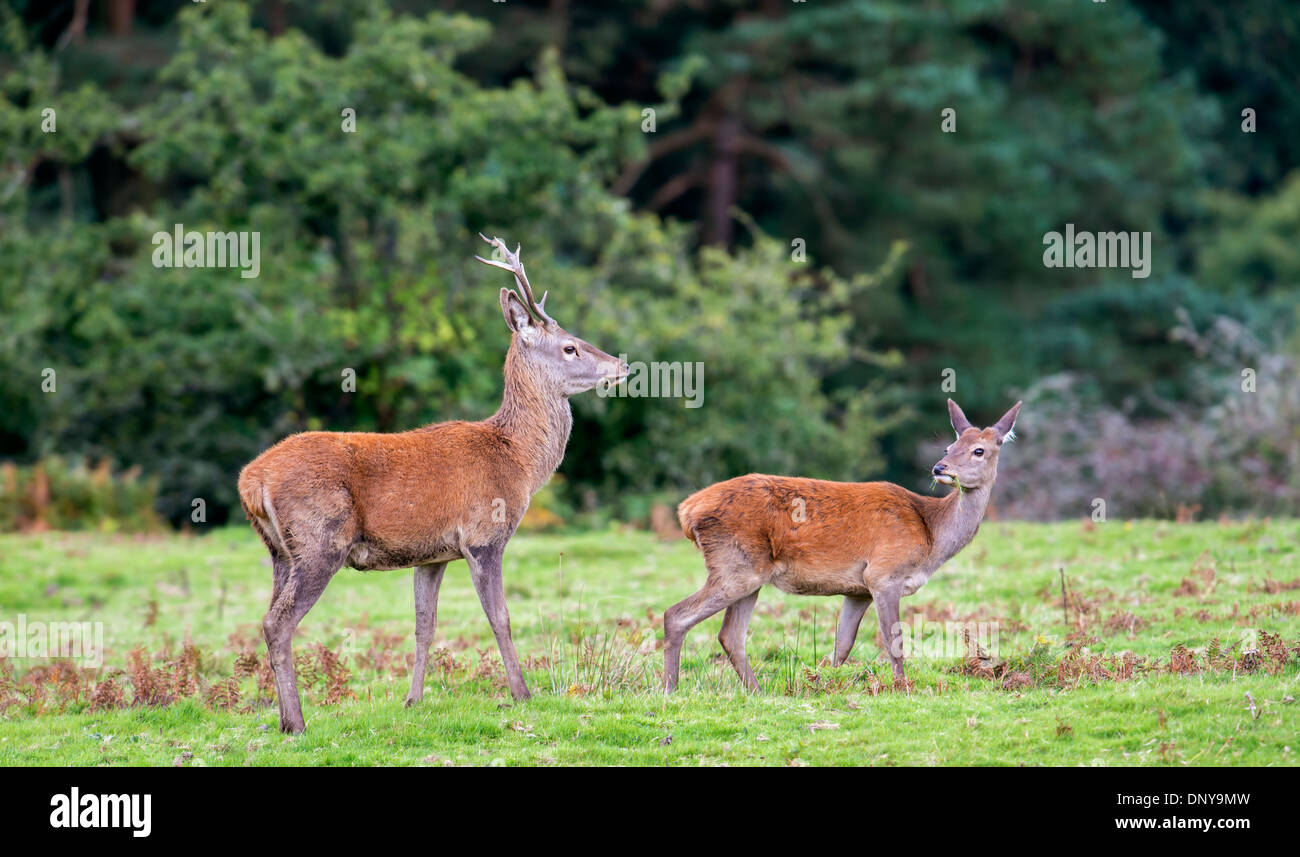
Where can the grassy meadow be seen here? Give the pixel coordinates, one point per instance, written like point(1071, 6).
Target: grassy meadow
point(1177, 644)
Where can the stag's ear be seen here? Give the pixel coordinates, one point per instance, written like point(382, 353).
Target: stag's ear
point(958, 419)
point(517, 316)
point(1005, 427)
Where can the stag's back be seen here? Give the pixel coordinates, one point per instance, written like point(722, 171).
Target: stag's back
point(409, 493)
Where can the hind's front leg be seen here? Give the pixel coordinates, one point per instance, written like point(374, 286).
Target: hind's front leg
point(890, 629)
point(846, 633)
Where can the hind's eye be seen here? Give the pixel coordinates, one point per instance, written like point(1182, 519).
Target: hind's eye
point(977, 452)
point(569, 349)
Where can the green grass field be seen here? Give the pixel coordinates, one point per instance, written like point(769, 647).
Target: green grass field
point(587, 612)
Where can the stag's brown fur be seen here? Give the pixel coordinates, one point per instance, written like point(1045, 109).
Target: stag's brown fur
point(866, 541)
point(397, 500)
point(453, 490)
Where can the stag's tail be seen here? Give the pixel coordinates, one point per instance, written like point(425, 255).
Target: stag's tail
point(255, 497)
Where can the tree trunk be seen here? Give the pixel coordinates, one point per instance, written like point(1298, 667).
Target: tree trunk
point(558, 17)
point(277, 17)
point(723, 180)
point(121, 14)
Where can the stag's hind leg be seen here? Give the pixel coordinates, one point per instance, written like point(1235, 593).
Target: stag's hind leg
point(428, 578)
point(731, 579)
point(302, 586)
point(281, 566)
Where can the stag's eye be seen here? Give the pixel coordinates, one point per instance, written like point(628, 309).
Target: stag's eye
point(569, 349)
point(977, 452)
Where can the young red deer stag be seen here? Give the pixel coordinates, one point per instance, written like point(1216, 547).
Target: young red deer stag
point(867, 541)
point(422, 498)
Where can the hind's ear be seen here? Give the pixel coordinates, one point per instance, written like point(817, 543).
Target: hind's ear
point(957, 418)
point(1005, 426)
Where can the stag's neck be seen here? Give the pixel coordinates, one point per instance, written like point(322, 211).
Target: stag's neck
point(954, 519)
point(536, 421)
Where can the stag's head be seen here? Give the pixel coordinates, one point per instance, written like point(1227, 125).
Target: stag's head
point(558, 360)
point(971, 461)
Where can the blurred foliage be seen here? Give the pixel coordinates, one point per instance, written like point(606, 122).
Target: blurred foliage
point(1235, 446)
point(55, 494)
point(819, 121)
point(823, 122)
point(367, 243)
point(1249, 243)
point(1243, 56)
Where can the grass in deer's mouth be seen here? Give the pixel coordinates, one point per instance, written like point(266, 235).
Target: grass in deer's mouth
point(956, 482)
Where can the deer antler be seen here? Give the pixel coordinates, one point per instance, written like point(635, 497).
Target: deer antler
point(516, 267)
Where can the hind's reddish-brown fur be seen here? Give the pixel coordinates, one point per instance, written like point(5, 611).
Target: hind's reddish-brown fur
point(851, 534)
point(867, 541)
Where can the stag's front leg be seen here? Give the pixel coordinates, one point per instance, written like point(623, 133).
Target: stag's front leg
point(485, 570)
point(428, 578)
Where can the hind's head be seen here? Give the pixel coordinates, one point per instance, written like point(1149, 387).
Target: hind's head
point(971, 461)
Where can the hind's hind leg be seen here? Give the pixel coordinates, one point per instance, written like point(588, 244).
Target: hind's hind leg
point(732, 637)
point(731, 578)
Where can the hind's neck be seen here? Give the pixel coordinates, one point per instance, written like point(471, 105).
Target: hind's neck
point(954, 520)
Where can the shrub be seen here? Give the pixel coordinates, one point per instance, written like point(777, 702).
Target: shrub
point(55, 494)
point(1236, 449)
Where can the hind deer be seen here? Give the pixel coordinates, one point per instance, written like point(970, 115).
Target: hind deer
point(868, 541)
point(422, 498)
